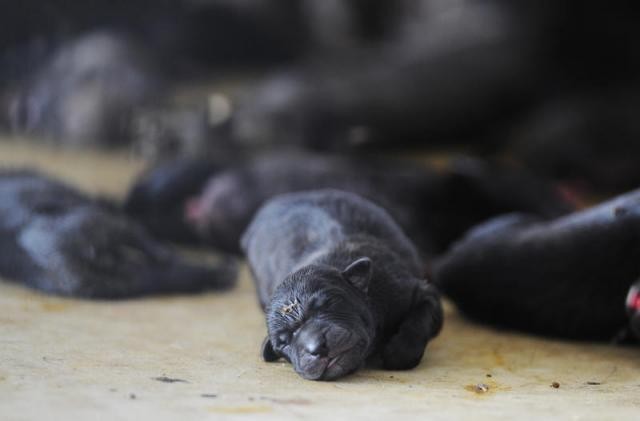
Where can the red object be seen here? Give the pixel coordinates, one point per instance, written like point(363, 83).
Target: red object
point(633, 299)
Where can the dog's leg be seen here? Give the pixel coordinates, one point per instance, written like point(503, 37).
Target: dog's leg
point(405, 348)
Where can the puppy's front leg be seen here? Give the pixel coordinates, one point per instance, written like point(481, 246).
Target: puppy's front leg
point(424, 321)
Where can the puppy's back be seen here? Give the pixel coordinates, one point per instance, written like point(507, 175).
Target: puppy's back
point(293, 230)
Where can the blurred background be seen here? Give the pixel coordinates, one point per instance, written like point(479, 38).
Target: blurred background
point(192, 113)
point(551, 87)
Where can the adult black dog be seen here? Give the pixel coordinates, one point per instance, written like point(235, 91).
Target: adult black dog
point(340, 282)
point(57, 240)
point(569, 277)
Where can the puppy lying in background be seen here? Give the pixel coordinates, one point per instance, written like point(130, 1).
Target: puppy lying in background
point(339, 282)
point(433, 207)
point(158, 200)
point(85, 93)
point(569, 277)
point(54, 239)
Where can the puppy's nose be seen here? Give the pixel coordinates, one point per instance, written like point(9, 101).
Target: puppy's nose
point(316, 345)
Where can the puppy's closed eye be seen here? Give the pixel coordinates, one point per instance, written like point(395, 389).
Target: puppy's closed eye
point(317, 303)
point(283, 339)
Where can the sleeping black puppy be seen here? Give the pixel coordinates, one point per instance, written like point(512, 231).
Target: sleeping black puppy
point(567, 277)
point(339, 282)
point(54, 239)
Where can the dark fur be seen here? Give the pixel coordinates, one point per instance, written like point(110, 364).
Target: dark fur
point(159, 198)
point(339, 282)
point(231, 198)
point(589, 140)
point(567, 278)
point(434, 208)
point(415, 88)
point(634, 312)
point(85, 92)
point(445, 72)
point(54, 239)
point(186, 33)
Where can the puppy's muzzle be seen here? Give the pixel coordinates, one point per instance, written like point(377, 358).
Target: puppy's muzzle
point(319, 347)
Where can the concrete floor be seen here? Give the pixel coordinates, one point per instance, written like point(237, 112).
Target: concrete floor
point(73, 359)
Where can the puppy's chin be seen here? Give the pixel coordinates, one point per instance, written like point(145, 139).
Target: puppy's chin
point(312, 368)
point(344, 364)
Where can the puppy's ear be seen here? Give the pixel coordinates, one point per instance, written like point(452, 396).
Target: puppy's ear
point(358, 273)
point(268, 354)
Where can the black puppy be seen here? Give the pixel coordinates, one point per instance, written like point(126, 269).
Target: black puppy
point(339, 282)
point(433, 207)
point(158, 199)
point(54, 239)
point(231, 198)
point(85, 92)
point(567, 278)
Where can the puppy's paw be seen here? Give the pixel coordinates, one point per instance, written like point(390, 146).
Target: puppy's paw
point(401, 354)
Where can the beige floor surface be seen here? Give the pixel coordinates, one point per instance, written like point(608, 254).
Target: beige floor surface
point(72, 359)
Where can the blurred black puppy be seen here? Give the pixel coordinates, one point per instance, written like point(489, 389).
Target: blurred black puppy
point(339, 281)
point(54, 239)
point(85, 92)
point(231, 198)
point(159, 198)
point(567, 278)
point(434, 207)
